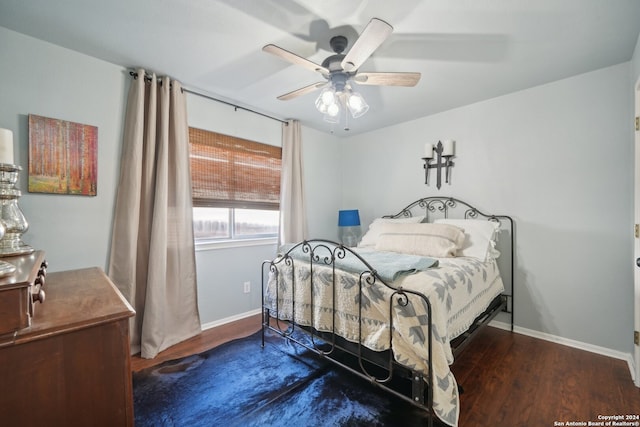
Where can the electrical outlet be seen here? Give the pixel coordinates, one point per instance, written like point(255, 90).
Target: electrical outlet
point(247, 287)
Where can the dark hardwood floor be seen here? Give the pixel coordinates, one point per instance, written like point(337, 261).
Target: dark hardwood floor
point(207, 339)
point(508, 379)
point(515, 380)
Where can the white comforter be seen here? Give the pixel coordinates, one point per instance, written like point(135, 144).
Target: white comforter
point(459, 289)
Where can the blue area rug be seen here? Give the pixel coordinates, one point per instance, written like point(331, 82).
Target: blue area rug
point(241, 384)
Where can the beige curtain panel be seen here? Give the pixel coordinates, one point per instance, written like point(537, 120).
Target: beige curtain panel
point(152, 249)
point(293, 216)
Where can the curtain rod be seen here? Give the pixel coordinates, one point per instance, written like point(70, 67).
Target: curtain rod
point(234, 106)
point(134, 74)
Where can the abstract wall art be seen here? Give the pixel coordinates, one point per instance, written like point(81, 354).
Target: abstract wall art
point(63, 157)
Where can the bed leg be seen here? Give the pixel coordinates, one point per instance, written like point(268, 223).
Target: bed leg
point(417, 394)
point(265, 323)
point(417, 388)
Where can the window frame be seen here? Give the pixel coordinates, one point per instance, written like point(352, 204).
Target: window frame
point(235, 146)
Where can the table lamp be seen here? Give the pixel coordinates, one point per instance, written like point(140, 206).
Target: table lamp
point(349, 227)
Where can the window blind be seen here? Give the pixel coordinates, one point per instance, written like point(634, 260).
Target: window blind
point(232, 172)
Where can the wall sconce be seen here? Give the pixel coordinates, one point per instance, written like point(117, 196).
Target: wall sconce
point(349, 227)
point(444, 149)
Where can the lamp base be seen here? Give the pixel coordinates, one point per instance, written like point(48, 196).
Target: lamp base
point(350, 236)
point(6, 268)
point(15, 223)
point(11, 245)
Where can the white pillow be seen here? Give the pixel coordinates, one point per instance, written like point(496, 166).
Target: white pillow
point(370, 238)
point(430, 240)
point(480, 237)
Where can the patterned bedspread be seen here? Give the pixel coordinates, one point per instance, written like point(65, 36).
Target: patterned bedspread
point(458, 289)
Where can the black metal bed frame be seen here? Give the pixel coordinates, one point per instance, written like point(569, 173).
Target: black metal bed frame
point(380, 368)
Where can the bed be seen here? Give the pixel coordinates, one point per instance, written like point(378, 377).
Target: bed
point(397, 309)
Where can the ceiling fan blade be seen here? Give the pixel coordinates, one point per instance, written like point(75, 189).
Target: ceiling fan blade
point(294, 59)
point(387, 79)
point(372, 36)
point(302, 91)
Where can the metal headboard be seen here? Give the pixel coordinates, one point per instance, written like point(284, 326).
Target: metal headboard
point(449, 207)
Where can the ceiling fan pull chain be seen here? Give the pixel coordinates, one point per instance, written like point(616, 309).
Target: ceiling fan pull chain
point(346, 118)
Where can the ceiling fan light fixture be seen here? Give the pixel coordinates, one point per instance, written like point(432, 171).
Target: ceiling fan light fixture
point(333, 110)
point(331, 103)
point(328, 97)
point(326, 100)
point(320, 106)
point(356, 104)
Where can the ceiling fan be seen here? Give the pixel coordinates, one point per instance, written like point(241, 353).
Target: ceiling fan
point(341, 70)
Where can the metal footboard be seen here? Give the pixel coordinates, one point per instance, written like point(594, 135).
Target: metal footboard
point(379, 369)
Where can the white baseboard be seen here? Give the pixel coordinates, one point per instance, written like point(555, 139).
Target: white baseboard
point(627, 357)
point(230, 319)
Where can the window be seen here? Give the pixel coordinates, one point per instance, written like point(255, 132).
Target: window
point(236, 187)
point(234, 223)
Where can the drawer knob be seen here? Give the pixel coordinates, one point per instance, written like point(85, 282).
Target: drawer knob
point(39, 281)
point(38, 297)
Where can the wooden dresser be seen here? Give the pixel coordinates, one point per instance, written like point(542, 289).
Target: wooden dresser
point(72, 366)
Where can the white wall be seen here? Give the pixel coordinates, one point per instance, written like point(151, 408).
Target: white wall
point(559, 159)
point(635, 62)
point(635, 108)
point(44, 79)
point(324, 182)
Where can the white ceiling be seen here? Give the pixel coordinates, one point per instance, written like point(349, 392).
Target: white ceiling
point(466, 50)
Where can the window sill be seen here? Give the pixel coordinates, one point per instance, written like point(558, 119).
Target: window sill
point(240, 243)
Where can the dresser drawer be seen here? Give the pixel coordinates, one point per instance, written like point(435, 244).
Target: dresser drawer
point(20, 291)
point(15, 310)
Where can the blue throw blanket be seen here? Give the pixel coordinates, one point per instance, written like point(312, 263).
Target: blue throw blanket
point(388, 265)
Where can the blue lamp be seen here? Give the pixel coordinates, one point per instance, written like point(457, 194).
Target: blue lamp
point(349, 227)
